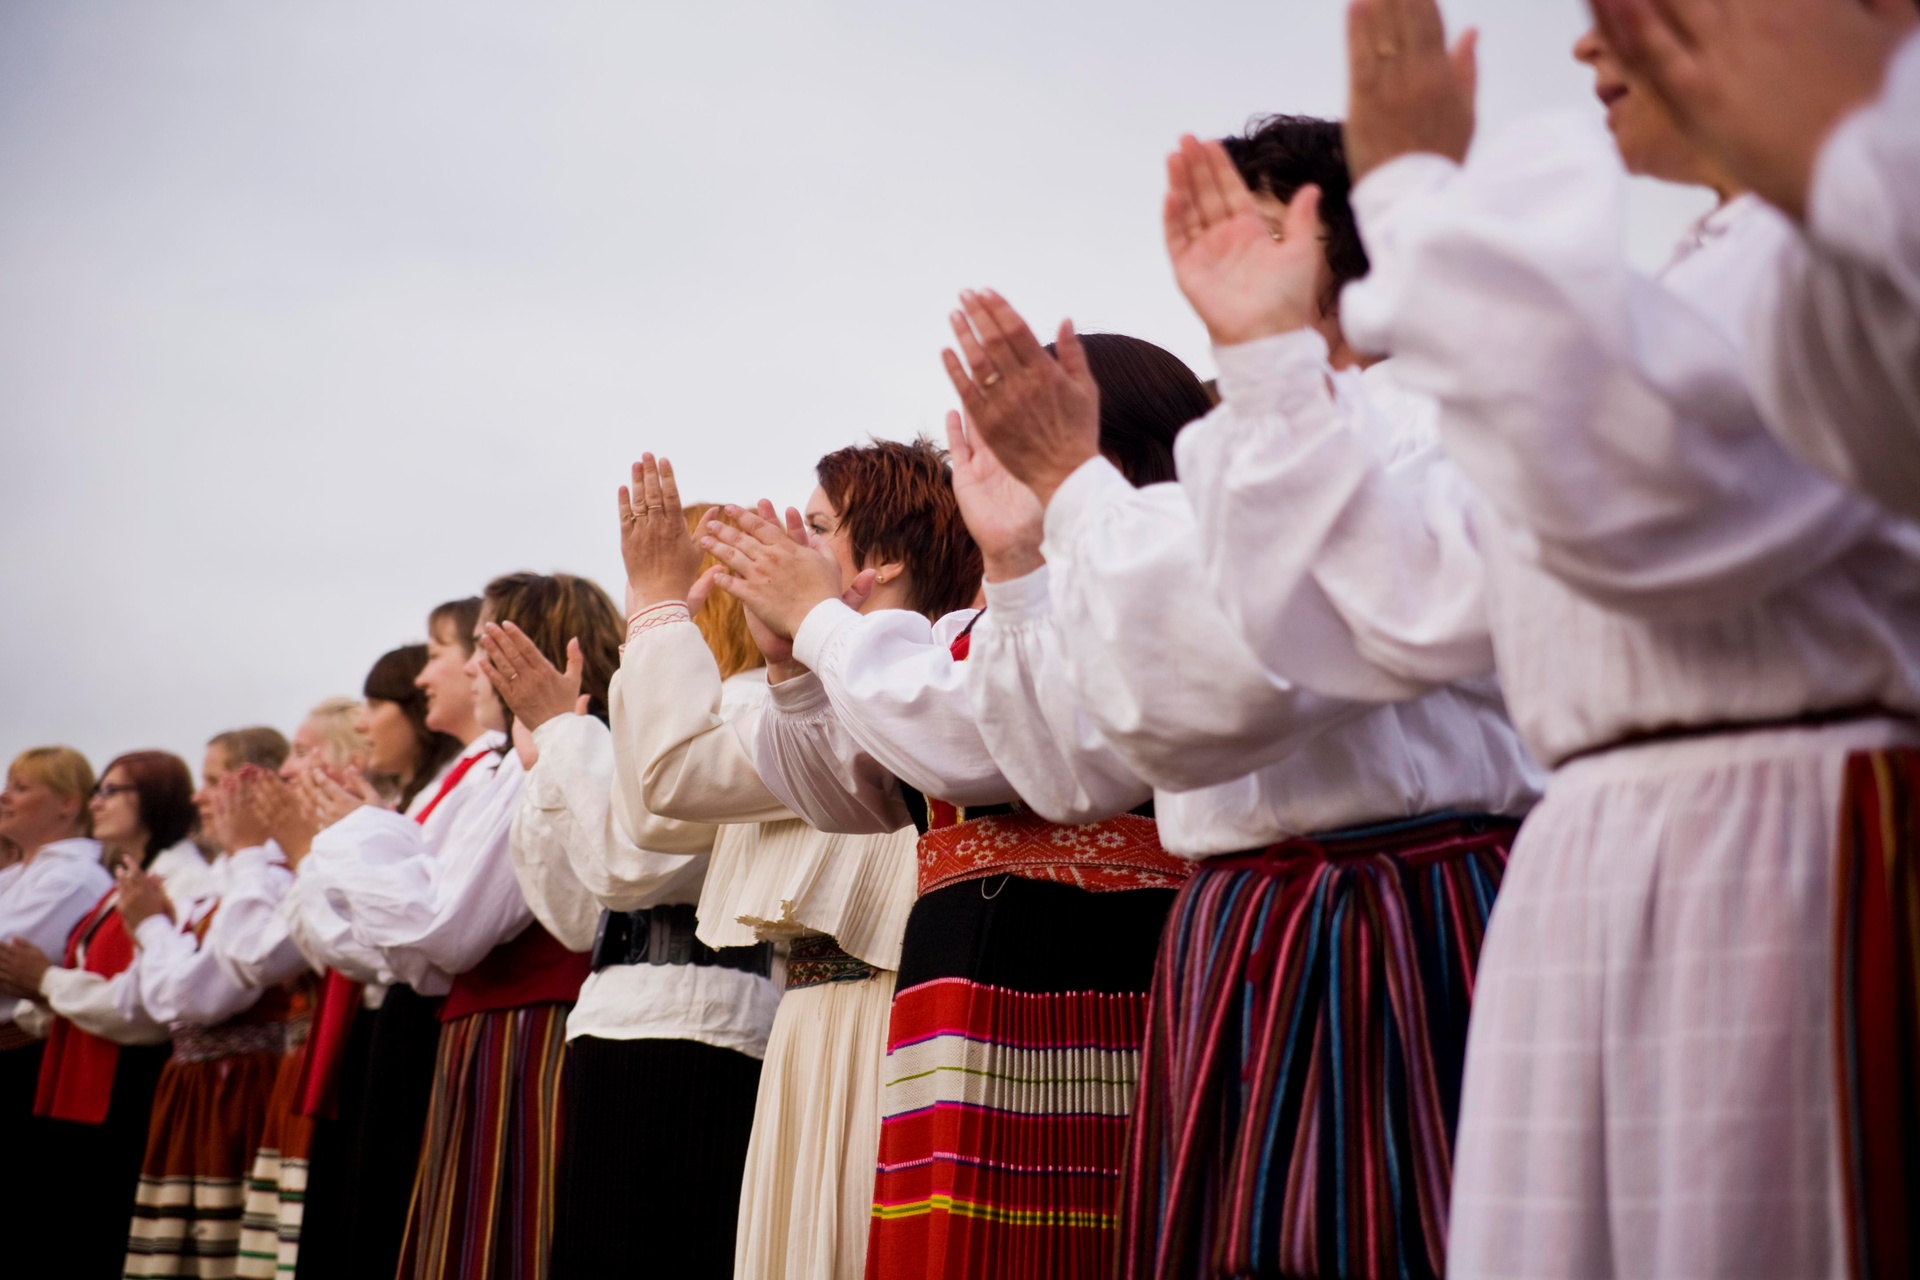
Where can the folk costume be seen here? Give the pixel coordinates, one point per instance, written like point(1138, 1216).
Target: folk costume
point(835, 905)
point(1671, 1069)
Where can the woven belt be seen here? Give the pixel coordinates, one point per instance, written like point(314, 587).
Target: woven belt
point(665, 935)
point(816, 960)
point(205, 1044)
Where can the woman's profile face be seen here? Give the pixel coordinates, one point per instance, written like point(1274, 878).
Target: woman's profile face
point(32, 813)
point(486, 703)
point(216, 765)
point(445, 681)
point(116, 811)
point(389, 735)
point(823, 521)
point(306, 749)
point(1649, 141)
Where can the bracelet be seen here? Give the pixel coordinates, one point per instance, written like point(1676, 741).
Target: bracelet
point(658, 615)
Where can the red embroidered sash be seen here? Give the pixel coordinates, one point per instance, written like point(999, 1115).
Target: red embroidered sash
point(76, 1073)
point(326, 1046)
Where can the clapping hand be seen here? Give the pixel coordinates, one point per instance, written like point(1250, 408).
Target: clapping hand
point(1759, 84)
point(1040, 416)
point(22, 966)
point(1002, 514)
point(531, 686)
point(779, 574)
point(1242, 281)
point(329, 796)
point(663, 563)
point(141, 897)
point(1407, 92)
point(245, 824)
point(280, 814)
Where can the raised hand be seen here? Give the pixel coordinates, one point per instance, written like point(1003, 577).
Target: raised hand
point(1759, 84)
point(1002, 514)
point(22, 965)
point(662, 560)
point(1039, 415)
point(775, 572)
point(328, 798)
point(245, 824)
point(280, 814)
point(527, 682)
point(141, 898)
point(1243, 282)
point(1407, 92)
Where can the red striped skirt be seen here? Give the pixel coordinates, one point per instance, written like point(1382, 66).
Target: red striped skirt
point(1301, 1068)
point(483, 1201)
point(277, 1184)
point(1877, 1009)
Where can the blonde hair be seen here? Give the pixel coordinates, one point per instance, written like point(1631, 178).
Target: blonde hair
point(723, 619)
point(334, 719)
point(63, 771)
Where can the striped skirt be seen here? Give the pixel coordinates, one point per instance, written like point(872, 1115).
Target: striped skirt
point(208, 1113)
point(277, 1184)
point(1301, 1069)
point(483, 1201)
point(1012, 1062)
point(1877, 1006)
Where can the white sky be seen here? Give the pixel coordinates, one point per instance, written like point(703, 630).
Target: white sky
point(315, 315)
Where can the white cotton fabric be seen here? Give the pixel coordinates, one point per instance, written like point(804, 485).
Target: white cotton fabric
point(46, 896)
point(187, 873)
point(566, 811)
point(807, 1201)
point(1836, 334)
point(1650, 1085)
point(186, 979)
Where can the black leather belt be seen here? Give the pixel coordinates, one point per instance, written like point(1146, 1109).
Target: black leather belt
point(664, 935)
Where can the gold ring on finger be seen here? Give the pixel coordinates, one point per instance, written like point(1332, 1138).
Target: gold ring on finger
point(993, 377)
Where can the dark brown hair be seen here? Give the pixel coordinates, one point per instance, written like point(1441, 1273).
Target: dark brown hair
point(1146, 395)
point(459, 616)
point(723, 619)
point(555, 608)
point(1278, 155)
point(895, 501)
point(163, 785)
point(256, 744)
point(392, 680)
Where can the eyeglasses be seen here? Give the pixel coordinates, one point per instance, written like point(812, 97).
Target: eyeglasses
point(108, 790)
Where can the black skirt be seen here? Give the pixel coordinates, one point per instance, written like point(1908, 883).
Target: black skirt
point(86, 1173)
point(361, 1167)
point(653, 1146)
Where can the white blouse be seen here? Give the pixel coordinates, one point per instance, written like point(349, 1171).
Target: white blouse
point(1609, 516)
point(681, 742)
point(187, 980)
point(1836, 340)
point(46, 896)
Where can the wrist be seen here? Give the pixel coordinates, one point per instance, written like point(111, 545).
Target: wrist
point(642, 595)
point(781, 672)
point(1046, 484)
point(1012, 563)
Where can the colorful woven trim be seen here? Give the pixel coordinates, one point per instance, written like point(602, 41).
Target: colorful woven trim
point(1102, 857)
point(652, 616)
point(1877, 1010)
point(204, 1044)
point(816, 960)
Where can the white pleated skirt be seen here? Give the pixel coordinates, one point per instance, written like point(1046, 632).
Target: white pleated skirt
point(1651, 1075)
point(806, 1201)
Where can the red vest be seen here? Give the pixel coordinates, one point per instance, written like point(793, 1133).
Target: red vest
point(76, 1072)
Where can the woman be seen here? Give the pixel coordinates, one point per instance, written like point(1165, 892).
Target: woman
point(664, 1045)
point(1702, 636)
point(58, 877)
point(683, 713)
point(104, 1053)
point(370, 1054)
point(192, 868)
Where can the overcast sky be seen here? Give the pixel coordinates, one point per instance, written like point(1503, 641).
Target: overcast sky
point(318, 314)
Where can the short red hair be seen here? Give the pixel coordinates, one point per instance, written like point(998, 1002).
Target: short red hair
point(895, 501)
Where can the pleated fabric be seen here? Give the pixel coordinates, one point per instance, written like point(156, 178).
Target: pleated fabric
point(276, 1192)
point(1301, 1068)
point(207, 1118)
point(651, 1156)
point(1012, 1064)
point(1877, 1003)
point(1652, 1085)
point(806, 1196)
point(483, 1203)
point(361, 1165)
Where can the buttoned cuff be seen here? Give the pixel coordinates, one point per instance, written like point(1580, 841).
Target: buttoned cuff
point(1079, 501)
point(1278, 375)
point(815, 632)
point(802, 695)
point(1019, 601)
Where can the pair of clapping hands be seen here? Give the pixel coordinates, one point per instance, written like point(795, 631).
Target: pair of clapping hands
point(253, 805)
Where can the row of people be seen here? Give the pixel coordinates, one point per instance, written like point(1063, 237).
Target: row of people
point(1077, 850)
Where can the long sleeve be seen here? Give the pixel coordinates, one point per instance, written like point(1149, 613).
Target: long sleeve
point(683, 762)
point(894, 684)
point(434, 915)
point(249, 941)
point(110, 1008)
point(180, 984)
point(314, 910)
point(1155, 663)
point(1335, 535)
point(1836, 340)
point(1048, 748)
point(567, 830)
point(808, 759)
point(48, 897)
point(1602, 414)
